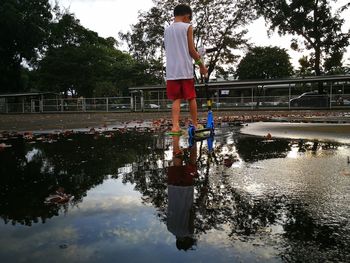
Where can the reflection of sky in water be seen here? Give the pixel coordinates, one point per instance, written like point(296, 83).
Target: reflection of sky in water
point(112, 225)
point(338, 132)
point(110, 221)
point(31, 154)
point(114, 222)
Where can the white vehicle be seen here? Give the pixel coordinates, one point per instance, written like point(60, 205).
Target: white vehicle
point(153, 106)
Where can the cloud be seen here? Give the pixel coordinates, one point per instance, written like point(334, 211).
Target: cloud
point(106, 17)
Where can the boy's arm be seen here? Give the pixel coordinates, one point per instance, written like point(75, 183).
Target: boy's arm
point(193, 52)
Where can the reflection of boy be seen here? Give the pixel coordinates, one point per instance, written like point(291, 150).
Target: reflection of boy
point(180, 217)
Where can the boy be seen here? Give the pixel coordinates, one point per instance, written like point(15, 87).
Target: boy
point(180, 50)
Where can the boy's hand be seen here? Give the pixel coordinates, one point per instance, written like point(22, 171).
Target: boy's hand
point(203, 70)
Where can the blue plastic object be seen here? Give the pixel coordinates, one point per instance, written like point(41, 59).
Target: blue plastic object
point(210, 125)
point(191, 133)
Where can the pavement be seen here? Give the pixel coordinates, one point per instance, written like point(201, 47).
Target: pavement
point(336, 132)
point(66, 121)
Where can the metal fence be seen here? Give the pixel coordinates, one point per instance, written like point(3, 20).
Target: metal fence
point(128, 104)
point(118, 104)
point(260, 94)
point(260, 102)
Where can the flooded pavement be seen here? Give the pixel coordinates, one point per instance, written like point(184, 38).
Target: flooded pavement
point(336, 132)
point(124, 195)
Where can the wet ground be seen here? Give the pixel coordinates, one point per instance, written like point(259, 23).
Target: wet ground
point(336, 132)
point(99, 196)
point(48, 121)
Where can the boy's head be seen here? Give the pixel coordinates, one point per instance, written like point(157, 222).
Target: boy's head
point(183, 10)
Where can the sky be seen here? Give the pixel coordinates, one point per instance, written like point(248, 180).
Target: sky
point(109, 17)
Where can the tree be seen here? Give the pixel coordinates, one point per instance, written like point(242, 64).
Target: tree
point(312, 20)
point(23, 30)
point(305, 68)
point(265, 63)
point(217, 23)
point(69, 63)
point(79, 62)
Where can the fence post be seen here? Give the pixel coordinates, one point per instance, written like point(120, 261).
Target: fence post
point(217, 99)
point(22, 104)
point(289, 93)
point(132, 102)
point(107, 104)
point(32, 106)
point(330, 98)
point(142, 102)
point(252, 98)
point(84, 105)
point(158, 101)
point(41, 103)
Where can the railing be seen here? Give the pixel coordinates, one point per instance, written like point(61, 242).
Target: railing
point(260, 102)
point(127, 104)
point(151, 98)
point(117, 104)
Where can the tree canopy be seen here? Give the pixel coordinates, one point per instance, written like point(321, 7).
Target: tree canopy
point(81, 62)
point(315, 22)
point(217, 23)
point(42, 47)
point(24, 27)
point(265, 63)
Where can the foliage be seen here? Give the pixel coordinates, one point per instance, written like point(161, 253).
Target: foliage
point(216, 23)
point(24, 29)
point(314, 21)
point(265, 63)
point(42, 47)
point(305, 68)
point(80, 62)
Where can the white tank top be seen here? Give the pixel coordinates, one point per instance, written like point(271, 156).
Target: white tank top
point(178, 59)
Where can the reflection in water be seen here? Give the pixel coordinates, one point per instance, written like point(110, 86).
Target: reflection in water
point(253, 149)
point(266, 200)
point(180, 214)
point(77, 162)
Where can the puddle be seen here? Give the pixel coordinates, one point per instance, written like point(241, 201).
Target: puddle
point(258, 200)
point(309, 131)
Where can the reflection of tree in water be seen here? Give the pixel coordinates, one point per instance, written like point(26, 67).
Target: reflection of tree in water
point(78, 162)
point(308, 238)
point(84, 162)
point(314, 146)
point(253, 149)
point(218, 203)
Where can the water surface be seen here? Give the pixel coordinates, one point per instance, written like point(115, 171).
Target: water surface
point(259, 200)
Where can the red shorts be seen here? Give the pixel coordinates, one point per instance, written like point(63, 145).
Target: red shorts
point(180, 89)
point(182, 175)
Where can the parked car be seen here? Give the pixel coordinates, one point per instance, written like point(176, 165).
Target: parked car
point(119, 106)
point(310, 99)
point(153, 106)
point(340, 101)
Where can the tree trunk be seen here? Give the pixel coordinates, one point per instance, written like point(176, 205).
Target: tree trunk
point(318, 68)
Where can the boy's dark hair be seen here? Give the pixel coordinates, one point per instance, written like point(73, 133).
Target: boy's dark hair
point(185, 243)
point(182, 10)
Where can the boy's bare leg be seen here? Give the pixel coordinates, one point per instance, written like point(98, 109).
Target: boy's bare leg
point(193, 111)
point(175, 112)
point(176, 150)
